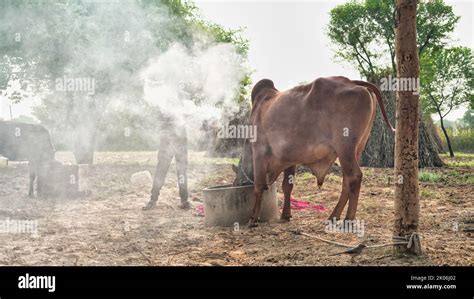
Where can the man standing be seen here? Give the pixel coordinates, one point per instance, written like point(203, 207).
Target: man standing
point(173, 143)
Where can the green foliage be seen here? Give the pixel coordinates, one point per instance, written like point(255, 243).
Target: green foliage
point(462, 139)
point(108, 41)
point(447, 123)
point(425, 193)
point(305, 177)
point(128, 130)
point(467, 120)
point(461, 160)
point(447, 79)
point(425, 176)
point(63, 37)
point(25, 119)
point(363, 32)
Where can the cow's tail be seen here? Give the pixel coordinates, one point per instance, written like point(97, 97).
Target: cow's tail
point(378, 95)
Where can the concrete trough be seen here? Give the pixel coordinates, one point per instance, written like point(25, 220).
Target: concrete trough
point(225, 205)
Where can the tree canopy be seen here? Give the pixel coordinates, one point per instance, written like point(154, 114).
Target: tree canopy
point(448, 79)
point(448, 82)
point(49, 42)
point(363, 32)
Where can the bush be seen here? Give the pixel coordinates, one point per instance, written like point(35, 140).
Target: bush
point(462, 139)
point(425, 176)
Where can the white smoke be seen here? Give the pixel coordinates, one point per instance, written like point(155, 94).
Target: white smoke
point(193, 85)
point(124, 48)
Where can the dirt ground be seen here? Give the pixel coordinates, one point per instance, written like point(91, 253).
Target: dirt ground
point(109, 227)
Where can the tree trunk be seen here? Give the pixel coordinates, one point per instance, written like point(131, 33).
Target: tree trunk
point(380, 147)
point(84, 156)
point(84, 145)
point(407, 206)
point(448, 142)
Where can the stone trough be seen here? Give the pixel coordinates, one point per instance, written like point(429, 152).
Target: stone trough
point(226, 205)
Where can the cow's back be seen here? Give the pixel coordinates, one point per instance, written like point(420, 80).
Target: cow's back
point(323, 102)
point(25, 142)
point(294, 121)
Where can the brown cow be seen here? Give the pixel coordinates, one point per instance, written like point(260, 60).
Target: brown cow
point(311, 124)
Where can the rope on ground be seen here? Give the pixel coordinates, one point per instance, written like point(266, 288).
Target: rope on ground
point(299, 232)
point(387, 244)
point(409, 243)
point(413, 240)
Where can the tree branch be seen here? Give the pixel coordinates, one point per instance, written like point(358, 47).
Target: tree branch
point(367, 54)
point(422, 47)
point(363, 58)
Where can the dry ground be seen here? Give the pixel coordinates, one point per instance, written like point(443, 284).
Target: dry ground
point(109, 227)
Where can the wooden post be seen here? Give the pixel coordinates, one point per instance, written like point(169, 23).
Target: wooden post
point(407, 207)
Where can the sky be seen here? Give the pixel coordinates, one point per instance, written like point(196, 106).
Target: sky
point(288, 43)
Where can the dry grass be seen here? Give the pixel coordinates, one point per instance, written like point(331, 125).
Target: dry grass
point(109, 227)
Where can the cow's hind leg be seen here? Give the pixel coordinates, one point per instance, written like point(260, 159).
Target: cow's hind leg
point(353, 176)
point(336, 213)
point(287, 186)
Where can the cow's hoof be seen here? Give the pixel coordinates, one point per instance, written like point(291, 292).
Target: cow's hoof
point(185, 205)
point(31, 195)
point(150, 205)
point(284, 219)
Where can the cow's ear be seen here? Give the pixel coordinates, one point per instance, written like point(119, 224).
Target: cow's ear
point(235, 169)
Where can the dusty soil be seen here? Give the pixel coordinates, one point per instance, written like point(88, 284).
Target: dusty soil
point(109, 227)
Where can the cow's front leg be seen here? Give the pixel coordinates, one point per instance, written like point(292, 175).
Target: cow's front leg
point(287, 186)
point(260, 184)
point(259, 189)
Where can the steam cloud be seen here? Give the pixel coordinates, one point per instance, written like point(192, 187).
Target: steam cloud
point(193, 85)
point(132, 64)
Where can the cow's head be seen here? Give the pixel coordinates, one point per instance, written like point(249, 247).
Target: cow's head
point(244, 170)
